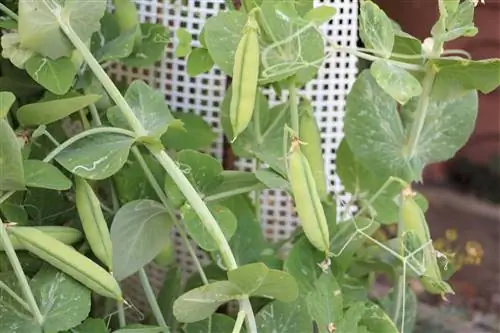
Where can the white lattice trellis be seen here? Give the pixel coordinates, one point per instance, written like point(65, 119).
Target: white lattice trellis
point(203, 95)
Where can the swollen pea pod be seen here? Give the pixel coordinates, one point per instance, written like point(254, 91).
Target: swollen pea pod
point(68, 260)
point(66, 235)
point(413, 221)
point(127, 17)
point(307, 202)
point(310, 134)
point(93, 221)
point(245, 77)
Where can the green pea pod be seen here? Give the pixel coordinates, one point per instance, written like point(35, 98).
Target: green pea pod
point(93, 222)
point(245, 77)
point(413, 221)
point(66, 235)
point(310, 135)
point(69, 261)
point(307, 202)
point(127, 17)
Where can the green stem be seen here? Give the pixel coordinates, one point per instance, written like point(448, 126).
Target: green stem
point(246, 306)
point(239, 322)
point(294, 107)
point(421, 111)
point(150, 296)
point(85, 121)
point(82, 135)
point(6, 196)
point(401, 279)
point(51, 138)
point(15, 296)
point(122, 321)
point(9, 12)
point(168, 206)
point(18, 270)
point(257, 193)
point(95, 115)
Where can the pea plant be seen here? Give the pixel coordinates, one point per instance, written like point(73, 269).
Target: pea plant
point(84, 208)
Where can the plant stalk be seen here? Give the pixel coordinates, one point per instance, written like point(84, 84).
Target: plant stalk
point(294, 107)
point(122, 322)
point(18, 270)
point(15, 296)
point(150, 296)
point(239, 322)
point(9, 12)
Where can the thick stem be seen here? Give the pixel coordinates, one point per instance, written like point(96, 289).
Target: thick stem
point(150, 296)
point(121, 315)
point(239, 322)
point(9, 12)
point(251, 324)
point(18, 270)
point(294, 107)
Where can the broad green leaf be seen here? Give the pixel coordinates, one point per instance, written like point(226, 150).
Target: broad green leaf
point(272, 179)
point(18, 82)
point(200, 303)
point(152, 47)
point(195, 133)
point(84, 16)
point(373, 128)
point(199, 61)
point(302, 263)
point(284, 317)
point(352, 317)
point(8, 24)
point(12, 175)
point(325, 302)
point(376, 29)
point(483, 75)
point(63, 302)
point(90, 325)
point(321, 14)
point(55, 75)
point(410, 306)
point(45, 175)
point(258, 280)
point(377, 320)
point(12, 50)
point(48, 207)
point(50, 110)
point(197, 230)
point(171, 289)
point(222, 33)
point(7, 99)
point(13, 209)
point(460, 22)
point(139, 328)
point(184, 43)
point(233, 183)
point(395, 81)
point(149, 107)
point(42, 35)
point(217, 323)
point(11, 313)
point(96, 156)
point(138, 234)
point(120, 47)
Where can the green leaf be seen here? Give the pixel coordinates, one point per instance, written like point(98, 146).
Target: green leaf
point(199, 61)
point(284, 317)
point(48, 207)
point(91, 325)
point(8, 24)
point(197, 230)
point(11, 164)
point(460, 22)
point(12, 50)
point(11, 313)
point(171, 289)
point(222, 33)
point(13, 210)
point(120, 47)
point(138, 234)
point(395, 81)
point(63, 302)
point(7, 99)
point(258, 280)
point(200, 303)
point(233, 183)
point(51, 110)
point(217, 323)
point(195, 133)
point(325, 302)
point(272, 179)
point(96, 156)
point(84, 16)
point(301, 263)
point(377, 320)
point(202, 170)
point(55, 75)
point(149, 107)
point(184, 46)
point(321, 14)
point(352, 317)
point(45, 175)
point(152, 47)
point(483, 75)
point(410, 306)
point(139, 328)
point(376, 29)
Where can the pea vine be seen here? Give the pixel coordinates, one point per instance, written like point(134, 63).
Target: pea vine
point(82, 211)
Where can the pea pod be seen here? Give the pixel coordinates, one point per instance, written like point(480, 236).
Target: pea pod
point(307, 202)
point(245, 77)
point(127, 17)
point(69, 261)
point(413, 221)
point(93, 222)
point(66, 235)
point(310, 134)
